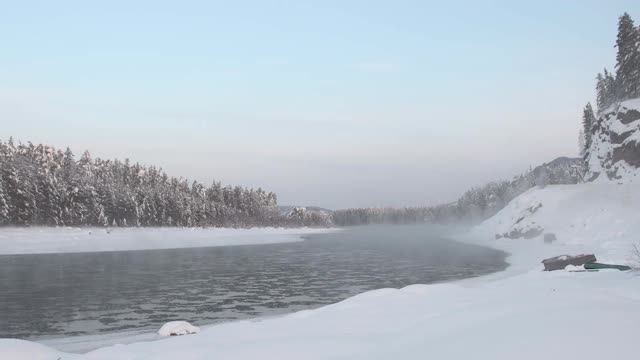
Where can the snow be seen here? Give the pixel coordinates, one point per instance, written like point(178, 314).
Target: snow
point(574, 268)
point(86, 343)
point(14, 349)
point(521, 313)
point(176, 328)
point(42, 240)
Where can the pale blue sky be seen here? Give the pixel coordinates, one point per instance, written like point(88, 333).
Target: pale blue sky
point(331, 103)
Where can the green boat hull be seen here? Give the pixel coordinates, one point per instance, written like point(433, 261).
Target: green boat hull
point(597, 266)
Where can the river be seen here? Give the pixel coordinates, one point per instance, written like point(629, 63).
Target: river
point(61, 295)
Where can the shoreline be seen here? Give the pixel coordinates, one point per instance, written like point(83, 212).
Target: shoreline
point(57, 240)
point(81, 344)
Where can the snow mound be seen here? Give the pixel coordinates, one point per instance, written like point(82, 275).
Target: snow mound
point(14, 349)
point(177, 328)
point(574, 268)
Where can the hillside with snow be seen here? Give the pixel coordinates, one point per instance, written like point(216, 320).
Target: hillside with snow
point(583, 214)
point(586, 218)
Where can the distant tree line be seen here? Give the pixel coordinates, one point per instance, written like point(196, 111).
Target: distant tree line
point(478, 204)
point(305, 217)
point(622, 85)
point(474, 205)
point(41, 185)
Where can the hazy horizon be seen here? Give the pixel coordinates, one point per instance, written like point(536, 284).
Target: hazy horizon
point(329, 104)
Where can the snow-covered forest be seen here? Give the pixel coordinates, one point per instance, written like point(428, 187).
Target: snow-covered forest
point(41, 185)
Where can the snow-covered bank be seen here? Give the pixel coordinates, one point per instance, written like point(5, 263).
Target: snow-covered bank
point(569, 315)
point(43, 240)
point(523, 313)
point(587, 218)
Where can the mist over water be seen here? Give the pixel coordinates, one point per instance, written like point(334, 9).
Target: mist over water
point(92, 293)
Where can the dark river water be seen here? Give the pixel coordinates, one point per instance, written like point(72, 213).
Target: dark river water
point(53, 295)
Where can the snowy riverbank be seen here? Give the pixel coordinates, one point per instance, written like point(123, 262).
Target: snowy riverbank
point(43, 240)
point(522, 313)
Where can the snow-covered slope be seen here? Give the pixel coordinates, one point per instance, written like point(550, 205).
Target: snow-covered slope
point(43, 240)
point(614, 154)
point(599, 217)
point(522, 313)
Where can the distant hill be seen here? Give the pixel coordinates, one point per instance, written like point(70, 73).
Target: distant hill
point(475, 205)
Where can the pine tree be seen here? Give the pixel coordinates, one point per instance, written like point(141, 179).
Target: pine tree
point(21, 210)
point(69, 165)
point(606, 90)
point(634, 78)
point(601, 95)
point(611, 88)
point(4, 205)
point(48, 201)
point(627, 59)
point(588, 119)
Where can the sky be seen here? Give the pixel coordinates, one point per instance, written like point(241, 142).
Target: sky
point(329, 103)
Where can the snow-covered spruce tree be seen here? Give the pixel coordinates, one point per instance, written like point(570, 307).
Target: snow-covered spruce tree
point(588, 119)
point(601, 99)
point(606, 90)
point(4, 205)
point(581, 143)
point(611, 88)
point(627, 59)
point(17, 177)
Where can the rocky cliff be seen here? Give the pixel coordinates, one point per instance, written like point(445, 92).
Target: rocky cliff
point(614, 152)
